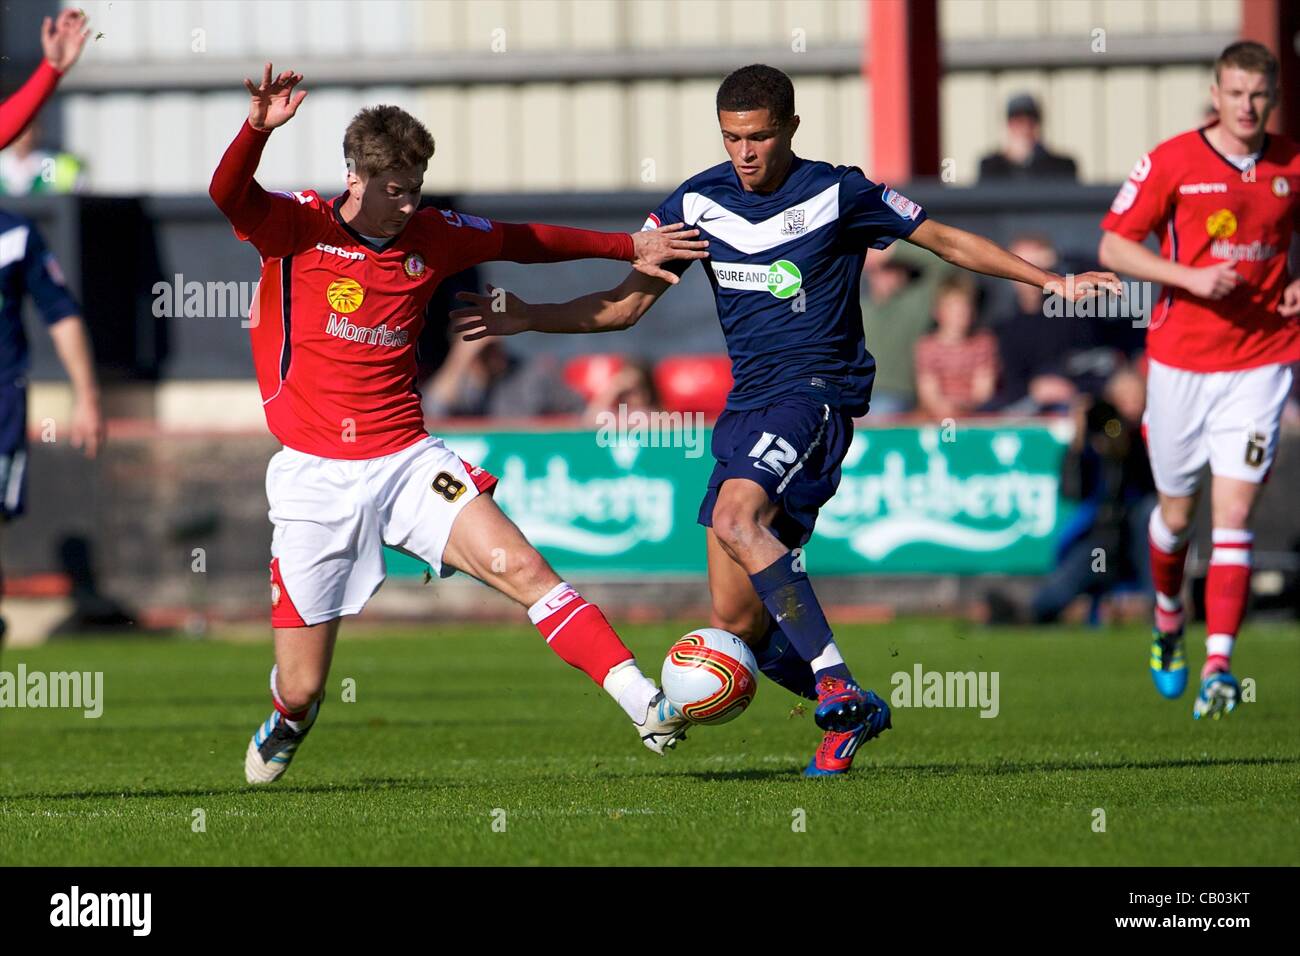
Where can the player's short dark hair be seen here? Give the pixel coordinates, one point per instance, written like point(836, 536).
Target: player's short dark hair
point(758, 87)
point(1249, 56)
point(381, 138)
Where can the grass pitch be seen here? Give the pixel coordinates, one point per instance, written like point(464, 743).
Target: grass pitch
point(474, 745)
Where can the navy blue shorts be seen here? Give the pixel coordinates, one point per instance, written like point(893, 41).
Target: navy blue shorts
point(793, 448)
point(13, 449)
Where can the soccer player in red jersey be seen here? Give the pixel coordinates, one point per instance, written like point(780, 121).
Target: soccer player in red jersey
point(62, 40)
point(1224, 201)
point(339, 308)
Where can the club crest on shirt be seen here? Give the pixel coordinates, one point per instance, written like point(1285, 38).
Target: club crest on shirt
point(1281, 188)
point(414, 265)
point(345, 295)
point(1221, 224)
point(794, 223)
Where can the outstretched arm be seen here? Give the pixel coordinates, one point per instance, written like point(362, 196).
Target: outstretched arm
point(62, 41)
point(970, 251)
point(647, 250)
point(504, 313)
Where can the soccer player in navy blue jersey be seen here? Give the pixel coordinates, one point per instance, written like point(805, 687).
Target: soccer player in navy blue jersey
point(27, 267)
point(787, 239)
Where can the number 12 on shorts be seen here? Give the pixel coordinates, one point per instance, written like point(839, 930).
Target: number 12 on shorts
point(774, 453)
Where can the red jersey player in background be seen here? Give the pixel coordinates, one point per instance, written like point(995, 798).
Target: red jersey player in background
point(339, 309)
point(62, 40)
point(1224, 201)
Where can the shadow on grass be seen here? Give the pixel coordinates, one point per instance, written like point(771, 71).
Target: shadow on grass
point(1003, 769)
point(367, 785)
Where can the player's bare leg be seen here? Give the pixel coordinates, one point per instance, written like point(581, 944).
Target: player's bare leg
point(742, 529)
point(488, 545)
point(302, 663)
point(1227, 590)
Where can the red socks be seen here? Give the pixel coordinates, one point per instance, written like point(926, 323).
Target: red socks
point(1168, 559)
point(1227, 589)
point(578, 632)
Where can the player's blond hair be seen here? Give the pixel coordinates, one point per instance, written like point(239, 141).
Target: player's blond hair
point(1249, 56)
point(381, 138)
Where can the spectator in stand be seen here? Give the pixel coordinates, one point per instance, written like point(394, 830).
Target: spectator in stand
point(900, 283)
point(957, 364)
point(1023, 155)
point(1046, 362)
point(482, 379)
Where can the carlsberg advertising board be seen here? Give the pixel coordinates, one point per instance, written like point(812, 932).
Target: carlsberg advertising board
point(911, 500)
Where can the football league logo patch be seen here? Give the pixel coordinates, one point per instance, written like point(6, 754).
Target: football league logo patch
point(901, 204)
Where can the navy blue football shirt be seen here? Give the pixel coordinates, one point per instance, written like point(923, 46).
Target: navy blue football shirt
point(786, 267)
point(27, 267)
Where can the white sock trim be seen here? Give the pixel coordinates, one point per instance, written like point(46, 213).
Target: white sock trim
point(1162, 537)
point(1170, 603)
point(1232, 536)
point(550, 602)
point(1237, 556)
point(829, 657)
point(1219, 645)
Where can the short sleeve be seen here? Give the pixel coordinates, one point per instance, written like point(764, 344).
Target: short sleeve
point(292, 223)
point(45, 283)
point(1143, 203)
point(872, 215)
point(665, 214)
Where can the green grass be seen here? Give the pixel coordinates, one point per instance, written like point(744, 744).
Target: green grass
point(456, 721)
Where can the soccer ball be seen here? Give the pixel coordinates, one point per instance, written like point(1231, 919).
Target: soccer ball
point(710, 675)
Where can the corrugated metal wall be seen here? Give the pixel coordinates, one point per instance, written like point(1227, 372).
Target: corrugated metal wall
point(598, 135)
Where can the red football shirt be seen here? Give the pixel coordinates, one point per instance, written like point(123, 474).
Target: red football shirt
point(336, 317)
point(1208, 212)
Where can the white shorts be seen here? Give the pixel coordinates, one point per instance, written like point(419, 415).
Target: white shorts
point(332, 518)
point(1230, 419)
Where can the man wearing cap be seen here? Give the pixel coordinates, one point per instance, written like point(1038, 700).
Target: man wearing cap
point(1023, 155)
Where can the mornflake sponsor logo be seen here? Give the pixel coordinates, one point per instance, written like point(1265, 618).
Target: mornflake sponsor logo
point(58, 690)
point(1242, 251)
point(349, 331)
point(336, 251)
point(782, 278)
point(74, 909)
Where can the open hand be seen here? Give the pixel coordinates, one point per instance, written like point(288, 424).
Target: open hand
point(274, 101)
point(497, 313)
point(654, 247)
point(63, 38)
